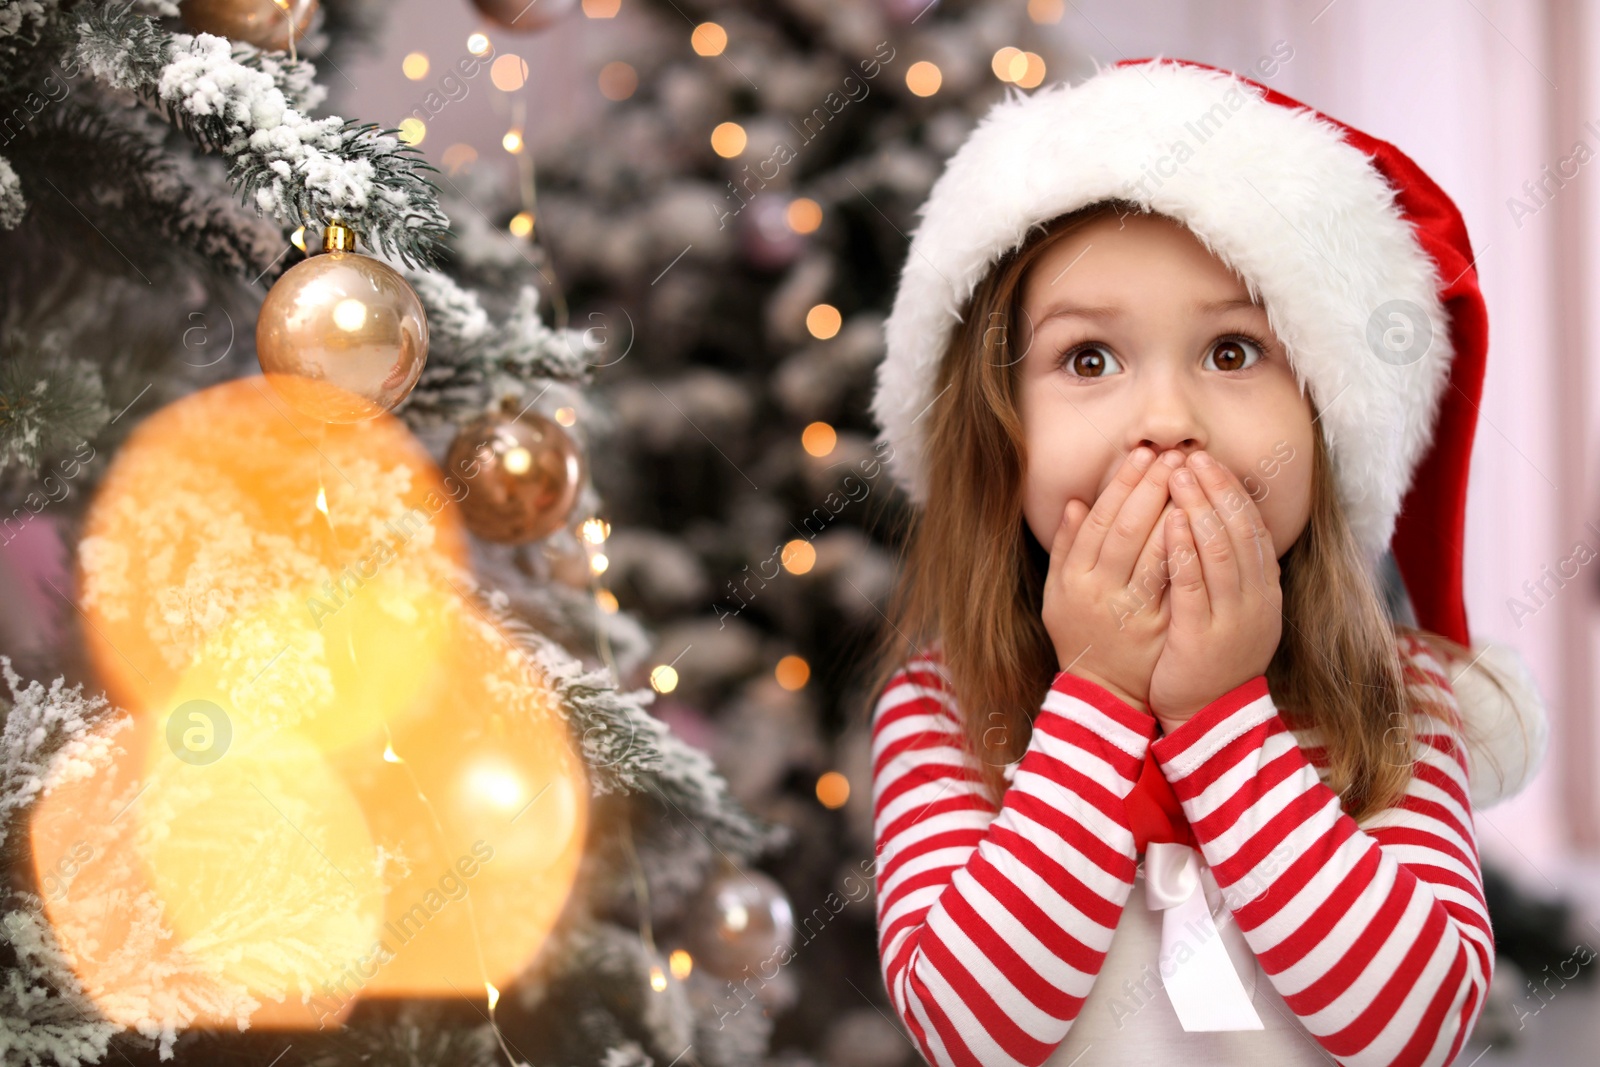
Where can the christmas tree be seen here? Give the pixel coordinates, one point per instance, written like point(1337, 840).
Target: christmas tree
point(627, 501)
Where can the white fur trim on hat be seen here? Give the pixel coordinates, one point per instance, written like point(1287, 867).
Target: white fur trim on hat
point(1300, 214)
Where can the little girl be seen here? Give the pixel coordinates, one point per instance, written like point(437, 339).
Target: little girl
point(1157, 778)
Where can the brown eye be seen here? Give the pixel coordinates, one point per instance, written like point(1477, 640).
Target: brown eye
point(1090, 361)
point(1236, 353)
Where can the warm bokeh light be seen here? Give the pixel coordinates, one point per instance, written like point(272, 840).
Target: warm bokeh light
point(803, 215)
point(819, 438)
point(799, 556)
point(601, 9)
point(254, 467)
point(459, 156)
point(598, 563)
point(728, 139)
point(823, 321)
point(664, 679)
point(298, 238)
point(566, 416)
point(792, 672)
point(415, 66)
point(607, 601)
point(681, 963)
point(344, 708)
point(1005, 63)
point(595, 530)
point(512, 141)
point(1046, 11)
point(521, 224)
point(833, 789)
point(708, 39)
point(618, 80)
point(508, 72)
point(478, 44)
point(413, 130)
point(1032, 73)
point(924, 78)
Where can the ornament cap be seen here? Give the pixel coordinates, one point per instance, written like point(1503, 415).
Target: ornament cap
point(338, 237)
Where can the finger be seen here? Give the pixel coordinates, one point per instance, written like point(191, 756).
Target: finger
point(1066, 532)
point(1211, 539)
point(1085, 549)
point(1135, 521)
point(1190, 602)
point(1237, 509)
point(1150, 573)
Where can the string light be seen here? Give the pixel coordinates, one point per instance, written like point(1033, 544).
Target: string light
point(458, 156)
point(803, 215)
point(792, 672)
point(823, 321)
point(415, 66)
point(1046, 11)
point(833, 789)
point(924, 78)
point(509, 73)
point(819, 439)
point(1032, 74)
point(708, 39)
point(799, 556)
point(681, 963)
point(664, 679)
point(512, 141)
point(618, 80)
point(477, 44)
point(298, 238)
point(728, 139)
point(596, 530)
point(598, 563)
point(521, 224)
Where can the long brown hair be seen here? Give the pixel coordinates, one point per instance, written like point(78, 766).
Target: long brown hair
point(972, 578)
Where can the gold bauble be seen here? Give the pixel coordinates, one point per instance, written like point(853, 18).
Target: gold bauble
point(342, 337)
point(528, 16)
point(262, 23)
point(738, 920)
point(523, 475)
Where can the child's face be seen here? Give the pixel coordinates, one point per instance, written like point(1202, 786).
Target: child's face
point(1148, 363)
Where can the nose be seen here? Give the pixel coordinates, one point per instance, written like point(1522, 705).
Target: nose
point(1167, 417)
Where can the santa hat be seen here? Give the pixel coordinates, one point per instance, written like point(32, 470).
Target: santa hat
point(1362, 263)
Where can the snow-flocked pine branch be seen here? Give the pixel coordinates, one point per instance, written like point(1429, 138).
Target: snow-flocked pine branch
point(234, 99)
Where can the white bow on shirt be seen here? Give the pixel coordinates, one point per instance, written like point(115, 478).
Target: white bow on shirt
point(1199, 976)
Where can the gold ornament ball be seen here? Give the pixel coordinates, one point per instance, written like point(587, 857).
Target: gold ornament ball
point(522, 475)
point(739, 919)
point(528, 16)
point(342, 337)
point(262, 23)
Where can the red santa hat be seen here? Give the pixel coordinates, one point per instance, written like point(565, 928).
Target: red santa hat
point(1361, 261)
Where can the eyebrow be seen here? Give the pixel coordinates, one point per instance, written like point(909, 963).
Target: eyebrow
point(1111, 311)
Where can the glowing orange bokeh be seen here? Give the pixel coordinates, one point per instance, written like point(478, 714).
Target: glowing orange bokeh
point(318, 798)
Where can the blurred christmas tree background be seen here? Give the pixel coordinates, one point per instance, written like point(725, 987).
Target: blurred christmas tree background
point(654, 243)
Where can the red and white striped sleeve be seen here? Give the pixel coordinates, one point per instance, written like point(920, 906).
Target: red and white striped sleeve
point(1376, 935)
point(993, 923)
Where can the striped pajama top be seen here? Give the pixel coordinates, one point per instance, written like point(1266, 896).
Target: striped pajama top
point(1371, 942)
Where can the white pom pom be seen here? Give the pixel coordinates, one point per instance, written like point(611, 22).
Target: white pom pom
point(1506, 741)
